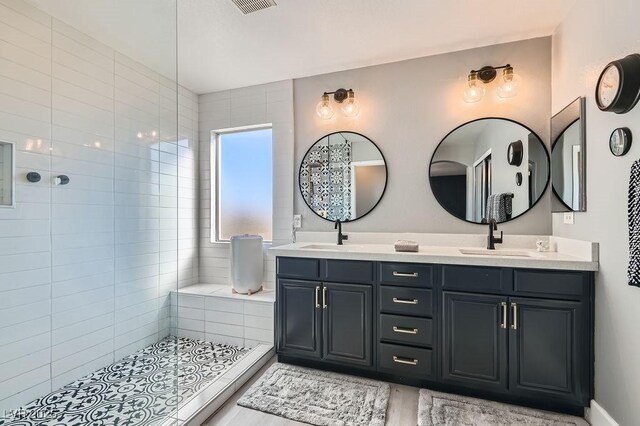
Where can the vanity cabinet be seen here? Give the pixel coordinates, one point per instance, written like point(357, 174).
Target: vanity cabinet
point(530, 338)
point(529, 347)
point(299, 318)
point(513, 334)
point(323, 320)
point(347, 323)
point(548, 349)
point(474, 346)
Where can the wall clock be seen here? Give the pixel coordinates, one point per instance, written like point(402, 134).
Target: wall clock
point(618, 87)
point(620, 141)
point(514, 153)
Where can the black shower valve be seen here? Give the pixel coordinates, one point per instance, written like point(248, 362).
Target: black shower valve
point(33, 177)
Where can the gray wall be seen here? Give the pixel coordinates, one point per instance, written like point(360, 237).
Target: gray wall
point(590, 37)
point(407, 108)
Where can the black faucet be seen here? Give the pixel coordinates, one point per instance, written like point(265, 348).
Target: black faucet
point(491, 240)
point(341, 236)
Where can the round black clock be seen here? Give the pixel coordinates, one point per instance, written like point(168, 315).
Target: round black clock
point(618, 88)
point(620, 141)
point(514, 153)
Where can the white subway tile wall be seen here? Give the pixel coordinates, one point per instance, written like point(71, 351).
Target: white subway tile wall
point(86, 268)
point(25, 239)
point(267, 103)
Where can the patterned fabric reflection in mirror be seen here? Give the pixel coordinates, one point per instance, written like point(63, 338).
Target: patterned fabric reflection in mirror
point(325, 179)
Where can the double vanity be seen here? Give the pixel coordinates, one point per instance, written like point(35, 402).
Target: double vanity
point(510, 324)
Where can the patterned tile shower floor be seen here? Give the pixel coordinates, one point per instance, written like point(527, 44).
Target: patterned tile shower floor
point(138, 390)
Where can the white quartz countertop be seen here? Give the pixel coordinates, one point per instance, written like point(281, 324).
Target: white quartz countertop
point(567, 255)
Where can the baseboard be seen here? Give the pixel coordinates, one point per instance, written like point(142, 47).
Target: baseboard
point(598, 416)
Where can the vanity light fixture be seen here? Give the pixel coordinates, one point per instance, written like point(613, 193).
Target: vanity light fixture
point(508, 87)
point(324, 109)
point(475, 91)
point(347, 99)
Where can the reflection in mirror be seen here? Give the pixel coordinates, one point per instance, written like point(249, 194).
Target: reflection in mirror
point(6, 174)
point(568, 158)
point(343, 176)
point(474, 173)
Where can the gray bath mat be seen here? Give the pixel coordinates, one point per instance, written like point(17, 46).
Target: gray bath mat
point(443, 409)
point(318, 397)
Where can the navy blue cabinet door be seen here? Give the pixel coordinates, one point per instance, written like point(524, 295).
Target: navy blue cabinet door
point(548, 347)
point(299, 318)
point(348, 323)
point(474, 337)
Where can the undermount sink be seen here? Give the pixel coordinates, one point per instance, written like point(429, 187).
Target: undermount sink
point(498, 253)
point(329, 247)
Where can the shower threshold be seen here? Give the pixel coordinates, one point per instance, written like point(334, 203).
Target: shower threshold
point(140, 389)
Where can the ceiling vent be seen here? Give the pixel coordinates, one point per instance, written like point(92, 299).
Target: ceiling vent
point(250, 6)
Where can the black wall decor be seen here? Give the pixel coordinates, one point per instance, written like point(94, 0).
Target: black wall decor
point(620, 141)
point(618, 88)
point(514, 153)
point(519, 179)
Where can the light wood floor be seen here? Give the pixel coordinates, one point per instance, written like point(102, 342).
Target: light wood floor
point(402, 409)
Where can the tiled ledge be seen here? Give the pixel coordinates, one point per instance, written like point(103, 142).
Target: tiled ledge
point(213, 313)
point(218, 290)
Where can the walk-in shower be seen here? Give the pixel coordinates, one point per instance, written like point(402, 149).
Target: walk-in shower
point(99, 213)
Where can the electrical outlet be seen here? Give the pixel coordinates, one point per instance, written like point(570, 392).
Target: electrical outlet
point(297, 221)
point(569, 218)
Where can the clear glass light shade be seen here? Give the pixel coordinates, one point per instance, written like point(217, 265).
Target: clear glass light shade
point(350, 107)
point(475, 91)
point(324, 109)
point(510, 85)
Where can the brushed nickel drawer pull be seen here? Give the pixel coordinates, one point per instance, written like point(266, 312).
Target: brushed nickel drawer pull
point(317, 296)
point(405, 330)
point(405, 301)
point(405, 274)
point(406, 361)
point(503, 306)
point(324, 298)
point(514, 308)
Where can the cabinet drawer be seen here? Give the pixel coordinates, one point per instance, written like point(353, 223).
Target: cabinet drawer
point(406, 274)
point(350, 271)
point(478, 279)
point(406, 301)
point(405, 361)
point(406, 330)
point(294, 267)
point(551, 283)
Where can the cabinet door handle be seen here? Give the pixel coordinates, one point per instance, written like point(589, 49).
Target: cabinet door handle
point(514, 312)
point(405, 274)
point(317, 296)
point(324, 298)
point(405, 330)
point(405, 301)
point(408, 361)
point(503, 306)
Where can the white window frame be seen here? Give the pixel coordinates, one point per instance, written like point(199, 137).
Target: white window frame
point(214, 171)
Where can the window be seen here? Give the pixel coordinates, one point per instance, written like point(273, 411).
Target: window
point(242, 198)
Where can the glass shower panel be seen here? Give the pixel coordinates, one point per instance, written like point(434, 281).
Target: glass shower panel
point(146, 216)
point(89, 252)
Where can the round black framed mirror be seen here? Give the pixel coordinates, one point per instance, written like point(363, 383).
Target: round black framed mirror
point(343, 176)
point(473, 174)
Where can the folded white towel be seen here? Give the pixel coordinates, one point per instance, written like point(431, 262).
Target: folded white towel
point(406, 245)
